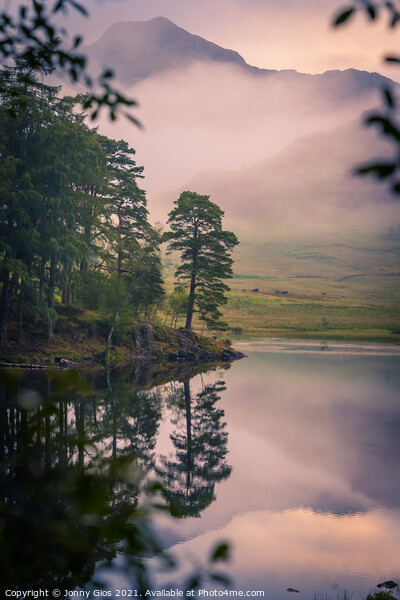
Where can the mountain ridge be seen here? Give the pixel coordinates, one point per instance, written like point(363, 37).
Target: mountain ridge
point(145, 41)
point(133, 50)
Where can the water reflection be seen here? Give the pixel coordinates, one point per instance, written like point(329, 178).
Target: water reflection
point(311, 500)
point(76, 463)
point(72, 469)
point(314, 496)
point(200, 444)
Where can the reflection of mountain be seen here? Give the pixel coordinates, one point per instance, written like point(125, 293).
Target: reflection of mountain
point(329, 419)
point(312, 498)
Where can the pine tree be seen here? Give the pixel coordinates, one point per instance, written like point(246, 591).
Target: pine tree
point(196, 231)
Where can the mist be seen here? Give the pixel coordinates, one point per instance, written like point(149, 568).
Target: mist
point(270, 149)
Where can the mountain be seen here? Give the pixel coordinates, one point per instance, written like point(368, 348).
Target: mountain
point(140, 49)
point(204, 108)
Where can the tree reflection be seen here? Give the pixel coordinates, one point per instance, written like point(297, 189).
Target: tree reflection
point(200, 443)
point(72, 466)
point(76, 464)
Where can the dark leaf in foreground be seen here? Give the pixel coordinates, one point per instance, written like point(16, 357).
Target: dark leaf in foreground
point(220, 578)
point(380, 170)
point(343, 16)
point(389, 98)
point(221, 552)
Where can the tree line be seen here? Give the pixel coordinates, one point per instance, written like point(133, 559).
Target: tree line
point(74, 223)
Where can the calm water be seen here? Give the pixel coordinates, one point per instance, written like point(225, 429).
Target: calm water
point(292, 455)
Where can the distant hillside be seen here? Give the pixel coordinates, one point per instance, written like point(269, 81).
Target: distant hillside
point(308, 185)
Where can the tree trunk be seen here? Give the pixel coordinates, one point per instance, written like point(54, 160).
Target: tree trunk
point(189, 460)
point(50, 295)
point(80, 430)
point(66, 293)
point(116, 318)
point(41, 278)
point(5, 309)
point(190, 309)
point(119, 251)
point(20, 310)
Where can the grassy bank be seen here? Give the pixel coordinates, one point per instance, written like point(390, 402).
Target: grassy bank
point(344, 287)
point(266, 313)
point(81, 336)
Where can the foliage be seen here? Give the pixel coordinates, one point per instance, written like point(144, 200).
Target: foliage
point(387, 121)
point(76, 487)
point(33, 36)
point(196, 231)
point(73, 221)
point(383, 595)
point(177, 303)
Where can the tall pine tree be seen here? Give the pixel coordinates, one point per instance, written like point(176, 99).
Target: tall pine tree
point(196, 232)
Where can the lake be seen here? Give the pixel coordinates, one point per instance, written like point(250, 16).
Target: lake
point(291, 456)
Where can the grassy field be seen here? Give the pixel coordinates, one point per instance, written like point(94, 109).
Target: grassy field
point(339, 287)
point(262, 313)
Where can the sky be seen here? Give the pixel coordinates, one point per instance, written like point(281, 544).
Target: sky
point(272, 34)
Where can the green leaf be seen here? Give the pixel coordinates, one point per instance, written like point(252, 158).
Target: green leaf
point(58, 6)
point(221, 552)
point(396, 187)
point(77, 41)
point(395, 19)
point(133, 120)
point(343, 16)
point(388, 128)
point(193, 583)
point(38, 7)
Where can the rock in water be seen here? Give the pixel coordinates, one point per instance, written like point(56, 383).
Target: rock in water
point(389, 585)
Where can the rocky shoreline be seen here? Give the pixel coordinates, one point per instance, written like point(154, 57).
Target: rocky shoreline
point(75, 345)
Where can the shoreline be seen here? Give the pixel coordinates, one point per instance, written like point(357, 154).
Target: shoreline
point(343, 335)
point(308, 346)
